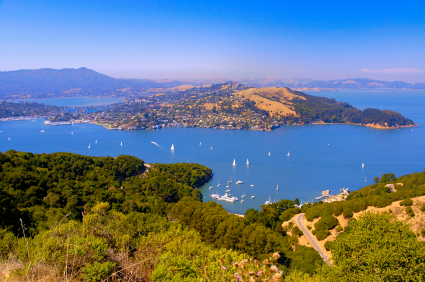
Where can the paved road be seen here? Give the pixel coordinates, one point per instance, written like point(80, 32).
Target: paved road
point(310, 237)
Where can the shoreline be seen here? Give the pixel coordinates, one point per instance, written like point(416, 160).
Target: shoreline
point(370, 125)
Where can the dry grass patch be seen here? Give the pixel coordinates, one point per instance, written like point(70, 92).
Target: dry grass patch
point(277, 101)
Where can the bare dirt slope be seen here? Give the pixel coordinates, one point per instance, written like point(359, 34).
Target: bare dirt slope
point(275, 100)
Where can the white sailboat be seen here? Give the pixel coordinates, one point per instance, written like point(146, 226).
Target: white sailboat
point(234, 162)
point(218, 185)
point(95, 141)
point(230, 181)
point(362, 165)
point(72, 133)
point(200, 143)
point(211, 148)
point(42, 130)
point(288, 154)
point(89, 146)
point(277, 188)
point(172, 147)
point(121, 143)
point(252, 197)
point(365, 180)
point(252, 185)
point(247, 162)
point(269, 153)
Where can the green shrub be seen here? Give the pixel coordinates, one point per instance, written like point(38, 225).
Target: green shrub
point(423, 232)
point(423, 208)
point(322, 234)
point(297, 232)
point(407, 202)
point(410, 211)
point(314, 232)
point(387, 177)
point(98, 271)
point(309, 227)
point(289, 213)
point(348, 212)
point(327, 222)
point(338, 209)
point(339, 228)
point(328, 245)
point(313, 213)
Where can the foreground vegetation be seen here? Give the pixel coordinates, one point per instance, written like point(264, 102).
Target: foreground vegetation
point(70, 217)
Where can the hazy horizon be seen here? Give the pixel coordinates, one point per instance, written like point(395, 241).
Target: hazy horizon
point(221, 39)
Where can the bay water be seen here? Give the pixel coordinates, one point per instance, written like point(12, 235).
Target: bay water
point(321, 157)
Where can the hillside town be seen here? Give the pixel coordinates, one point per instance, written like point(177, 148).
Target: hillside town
point(204, 107)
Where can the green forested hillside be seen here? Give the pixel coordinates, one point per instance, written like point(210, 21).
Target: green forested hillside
point(67, 216)
point(70, 217)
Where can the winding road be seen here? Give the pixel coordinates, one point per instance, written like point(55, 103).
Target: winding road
point(310, 237)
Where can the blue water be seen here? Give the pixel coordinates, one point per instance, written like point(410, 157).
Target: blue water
point(312, 167)
point(74, 102)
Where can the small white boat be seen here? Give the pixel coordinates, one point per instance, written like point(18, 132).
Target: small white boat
point(95, 141)
point(200, 143)
point(88, 146)
point(365, 180)
point(288, 154)
point(227, 186)
point(210, 187)
point(242, 201)
point(230, 181)
point(239, 182)
point(72, 133)
point(42, 130)
point(228, 190)
point(252, 185)
point(362, 165)
point(121, 143)
point(218, 185)
point(8, 138)
point(211, 148)
point(252, 197)
point(269, 153)
point(172, 147)
point(277, 188)
point(247, 162)
point(234, 162)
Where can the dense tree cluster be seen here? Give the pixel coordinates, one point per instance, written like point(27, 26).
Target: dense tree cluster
point(246, 235)
point(27, 109)
point(327, 110)
point(43, 188)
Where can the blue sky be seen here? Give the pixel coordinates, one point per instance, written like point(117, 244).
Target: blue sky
point(218, 39)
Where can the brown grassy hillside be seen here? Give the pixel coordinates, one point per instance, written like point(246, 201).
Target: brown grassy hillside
point(277, 101)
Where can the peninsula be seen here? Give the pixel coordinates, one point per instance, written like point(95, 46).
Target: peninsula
point(232, 106)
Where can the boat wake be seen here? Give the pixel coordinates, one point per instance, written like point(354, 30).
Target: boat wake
point(156, 144)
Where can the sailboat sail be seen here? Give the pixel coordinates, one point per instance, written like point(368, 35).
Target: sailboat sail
point(234, 162)
point(247, 162)
point(172, 147)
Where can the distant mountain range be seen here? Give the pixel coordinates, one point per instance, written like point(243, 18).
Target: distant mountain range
point(357, 83)
point(43, 83)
